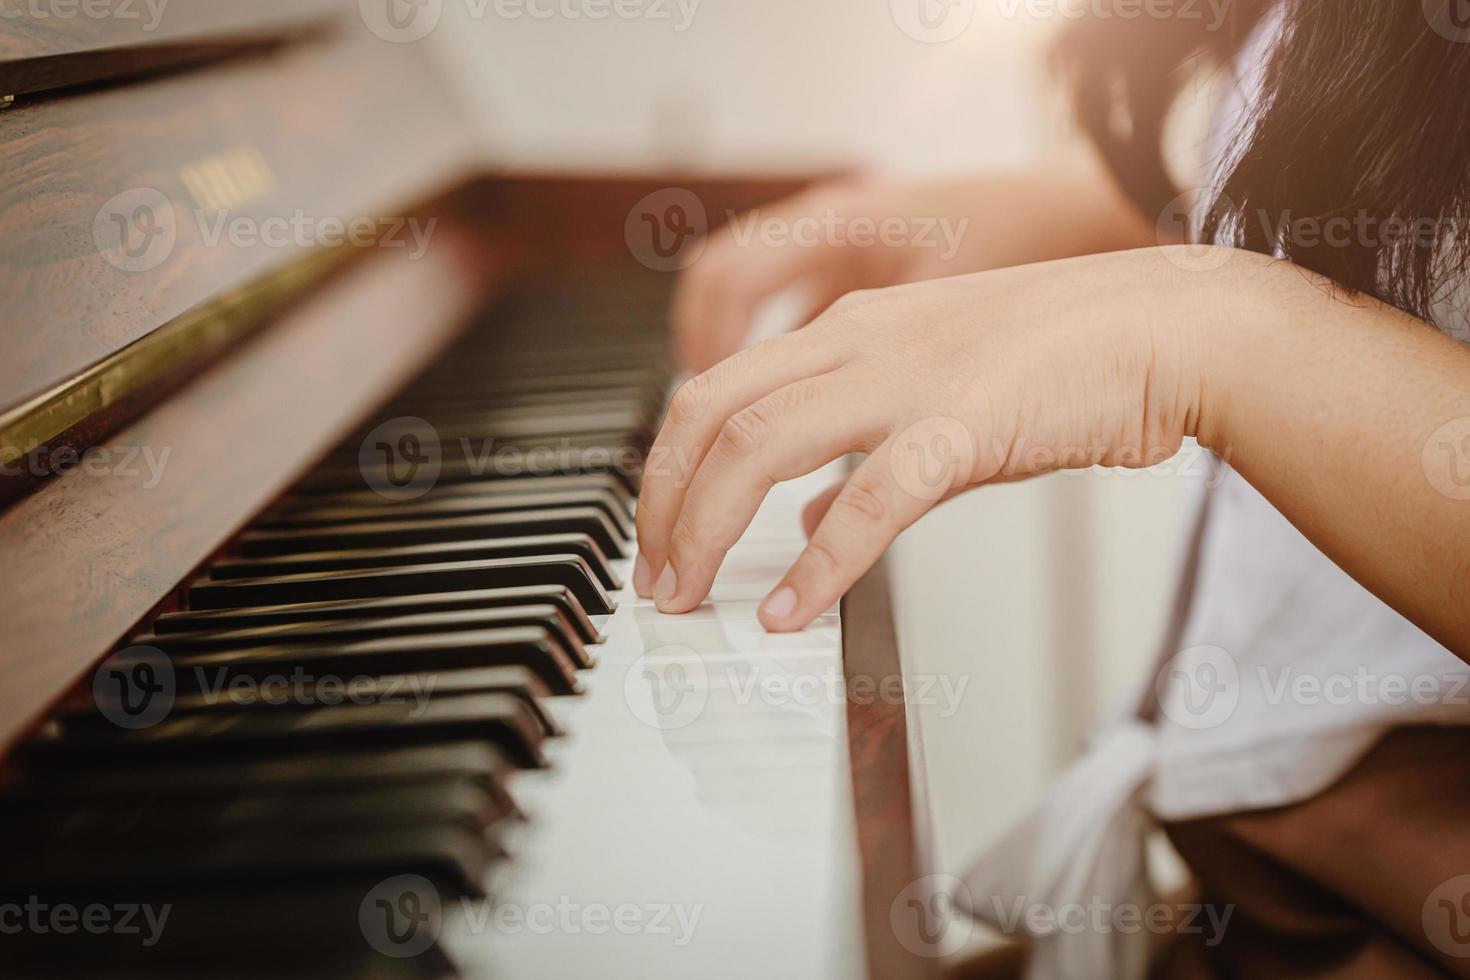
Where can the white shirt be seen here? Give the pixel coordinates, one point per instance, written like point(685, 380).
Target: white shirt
point(1287, 673)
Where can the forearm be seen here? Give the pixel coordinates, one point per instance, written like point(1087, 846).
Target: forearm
point(1076, 209)
point(932, 228)
point(1353, 419)
point(1060, 209)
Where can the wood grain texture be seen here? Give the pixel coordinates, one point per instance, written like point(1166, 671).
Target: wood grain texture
point(878, 744)
point(375, 135)
point(46, 46)
point(91, 553)
point(553, 220)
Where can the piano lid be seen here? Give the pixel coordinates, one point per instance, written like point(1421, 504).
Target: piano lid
point(147, 220)
point(49, 46)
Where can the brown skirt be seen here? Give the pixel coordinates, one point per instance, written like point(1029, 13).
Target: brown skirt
point(1366, 881)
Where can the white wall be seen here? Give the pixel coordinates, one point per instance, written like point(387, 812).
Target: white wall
point(748, 84)
point(1049, 597)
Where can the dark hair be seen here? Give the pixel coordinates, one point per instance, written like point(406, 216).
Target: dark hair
point(1364, 116)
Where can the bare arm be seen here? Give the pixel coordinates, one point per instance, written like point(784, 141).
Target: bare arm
point(1353, 419)
point(941, 227)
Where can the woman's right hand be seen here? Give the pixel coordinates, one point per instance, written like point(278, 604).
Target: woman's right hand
point(871, 232)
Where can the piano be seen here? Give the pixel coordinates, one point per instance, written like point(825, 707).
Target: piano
point(320, 448)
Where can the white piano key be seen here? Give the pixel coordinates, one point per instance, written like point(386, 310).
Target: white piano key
point(704, 785)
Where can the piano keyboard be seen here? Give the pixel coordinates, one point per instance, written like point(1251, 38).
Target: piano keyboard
point(415, 722)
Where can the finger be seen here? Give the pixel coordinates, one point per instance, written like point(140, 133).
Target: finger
point(715, 299)
point(816, 508)
point(862, 521)
point(788, 433)
point(698, 410)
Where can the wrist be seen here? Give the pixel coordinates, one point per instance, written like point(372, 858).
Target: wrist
point(1222, 323)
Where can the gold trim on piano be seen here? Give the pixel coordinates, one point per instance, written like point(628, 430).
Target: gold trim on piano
point(190, 337)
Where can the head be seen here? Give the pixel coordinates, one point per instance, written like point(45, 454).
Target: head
point(1356, 163)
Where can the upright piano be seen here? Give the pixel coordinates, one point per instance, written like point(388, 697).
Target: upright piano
point(321, 442)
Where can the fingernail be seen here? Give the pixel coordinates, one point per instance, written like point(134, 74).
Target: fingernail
point(667, 585)
point(781, 603)
point(642, 576)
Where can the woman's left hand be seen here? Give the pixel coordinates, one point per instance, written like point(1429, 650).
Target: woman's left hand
point(946, 385)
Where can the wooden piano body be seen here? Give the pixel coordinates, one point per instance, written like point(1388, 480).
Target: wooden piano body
point(162, 379)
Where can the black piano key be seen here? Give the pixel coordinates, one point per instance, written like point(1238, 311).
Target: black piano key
point(485, 450)
point(532, 647)
point(288, 931)
point(509, 486)
point(547, 617)
point(569, 571)
point(479, 762)
point(625, 412)
point(542, 421)
point(449, 854)
point(647, 400)
point(482, 452)
point(651, 379)
point(166, 819)
point(515, 681)
point(437, 530)
point(532, 357)
point(528, 418)
point(439, 506)
point(477, 600)
point(518, 682)
point(496, 718)
point(631, 412)
point(459, 431)
point(580, 452)
point(614, 458)
point(349, 559)
point(566, 340)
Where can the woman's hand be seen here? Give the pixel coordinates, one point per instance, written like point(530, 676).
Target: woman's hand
point(946, 385)
point(874, 232)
